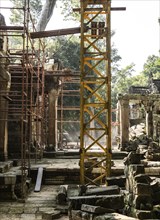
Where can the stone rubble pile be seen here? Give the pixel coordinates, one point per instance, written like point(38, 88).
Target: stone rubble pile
point(93, 202)
point(142, 192)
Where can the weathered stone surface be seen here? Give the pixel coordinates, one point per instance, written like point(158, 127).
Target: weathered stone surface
point(30, 210)
point(28, 216)
point(113, 202)
point(110, 190)
point(7, 179)
point(155, 186)
point(72, 190)
point(132, 158)
point(62, 195)
point(7, 192)
point(106, 201)
point(116, 180)
point(113, 216)
point(136, 169)
point(5, 166)
point(86, 216)
point(75, 215)
point(95, 209)
point(156, 198)
point(128, 185)
point(51, 215)
point(131, 183)
point(156, 211)
point(142, 189)
point(143, 202)
point(143, 214)
point(128, 198)
point(152, 171)
point(16, 210)
point(142, 178)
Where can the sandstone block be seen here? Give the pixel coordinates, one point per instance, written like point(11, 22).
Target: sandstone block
point(94, 209)
point(156, 198)
point(155, 186)
point(132, 158)
point(112, 202)
point(109, 190)
point(116, 180)
point(143, 202)
point(136, 169)
point(142, 178)
point(142, 189)
point(143, 214)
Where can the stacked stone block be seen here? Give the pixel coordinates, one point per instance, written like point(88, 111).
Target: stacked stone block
point(96, 203)
point(139, 201)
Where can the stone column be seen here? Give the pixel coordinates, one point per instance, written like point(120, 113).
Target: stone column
point(52, 123)
point(149, 118)
point(118, 118)
point(124, 115)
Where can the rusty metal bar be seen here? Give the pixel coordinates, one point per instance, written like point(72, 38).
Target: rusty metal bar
point(12, 28)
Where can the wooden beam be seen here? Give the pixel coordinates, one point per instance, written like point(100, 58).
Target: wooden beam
point(100, 9)
point(58, 32)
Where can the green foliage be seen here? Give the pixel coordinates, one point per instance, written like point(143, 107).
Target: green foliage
point(121, 81)
point(152, 67)
point(17, 15)
point(67, 9)
point(66, 49)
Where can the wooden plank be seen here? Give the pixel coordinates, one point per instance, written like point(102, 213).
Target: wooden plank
point(39, 180)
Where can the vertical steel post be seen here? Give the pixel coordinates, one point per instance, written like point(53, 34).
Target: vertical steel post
point(95, 81)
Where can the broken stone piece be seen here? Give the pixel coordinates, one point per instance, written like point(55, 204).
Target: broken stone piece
point(95, 209)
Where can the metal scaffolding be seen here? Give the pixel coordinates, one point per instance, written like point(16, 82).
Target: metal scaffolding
point(95, 137)
point(68, 116)
point(25, 109)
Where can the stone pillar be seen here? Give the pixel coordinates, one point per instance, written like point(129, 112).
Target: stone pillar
point(124, 115)
point(149, 124)
point(118, 119)
point(52, 123)
point(4, 88)
point(149, 118)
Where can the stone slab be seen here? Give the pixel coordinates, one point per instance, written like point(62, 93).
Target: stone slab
point(116, 180)
point(94, 209)
point(142, 189)
point(113, 216)
point(109, 190)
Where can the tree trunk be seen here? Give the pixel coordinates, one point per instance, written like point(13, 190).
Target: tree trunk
point(46, 15)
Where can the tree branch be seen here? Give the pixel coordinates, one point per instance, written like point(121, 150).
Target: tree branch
point(46, 15)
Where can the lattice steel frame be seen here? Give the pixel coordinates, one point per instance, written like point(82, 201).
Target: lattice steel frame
point(95, 137)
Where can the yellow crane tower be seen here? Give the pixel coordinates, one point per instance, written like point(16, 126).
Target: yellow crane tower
point(95, 81)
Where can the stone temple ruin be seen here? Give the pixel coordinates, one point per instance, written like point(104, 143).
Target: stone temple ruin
point(41, 165)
